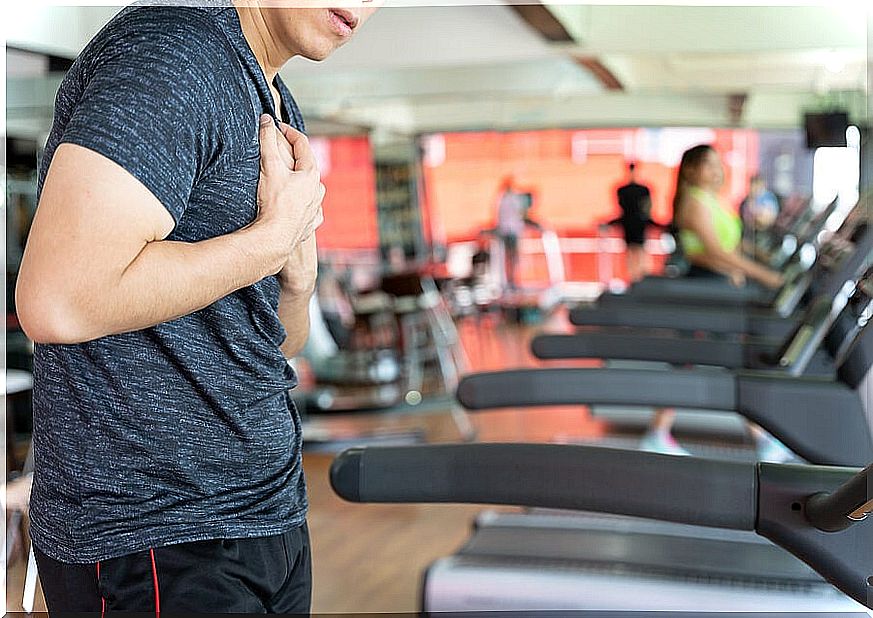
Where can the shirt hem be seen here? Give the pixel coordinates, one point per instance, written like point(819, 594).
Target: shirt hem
point(57, 550)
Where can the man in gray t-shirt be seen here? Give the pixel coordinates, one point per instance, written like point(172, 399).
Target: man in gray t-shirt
point(165, 282)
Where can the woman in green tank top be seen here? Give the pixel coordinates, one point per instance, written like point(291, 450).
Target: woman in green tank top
point(710, 236)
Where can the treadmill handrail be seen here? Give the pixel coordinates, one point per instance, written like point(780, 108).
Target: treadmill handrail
point(820, 420)
point(692, 388)
point(677, 489)
point(659, 315)
point(817, 322)
point(826, 281)
point(632, 346)
point(767, 498)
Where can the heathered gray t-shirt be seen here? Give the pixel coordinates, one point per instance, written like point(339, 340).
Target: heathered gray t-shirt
point(184, 431)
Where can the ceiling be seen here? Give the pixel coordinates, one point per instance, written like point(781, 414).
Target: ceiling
point(723, 49)
point(439, 68)
point(420, 69)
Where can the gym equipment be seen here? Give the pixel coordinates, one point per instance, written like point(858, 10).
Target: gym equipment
point(822, 323)
point(804, 229)
point(557, 561)
point(424, 352)
point(795, 507)
point(825, 279)
point(792, 249)
point(822, 420)
point(719, 292)
point(530, 302)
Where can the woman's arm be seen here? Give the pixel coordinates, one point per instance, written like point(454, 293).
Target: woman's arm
point(732, 264)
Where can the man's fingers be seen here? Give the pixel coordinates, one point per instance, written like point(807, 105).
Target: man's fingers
point(270, 156)
point(285, 152)
point(302, 151)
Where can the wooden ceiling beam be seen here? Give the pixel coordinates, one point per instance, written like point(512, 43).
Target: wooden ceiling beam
point(541, 19)
point(606, 77)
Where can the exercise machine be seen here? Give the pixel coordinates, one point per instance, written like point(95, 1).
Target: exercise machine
point(798, 274)
point(839, 263)
point(809, 349)
point(816, 514)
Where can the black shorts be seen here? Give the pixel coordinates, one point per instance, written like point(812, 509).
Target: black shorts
point(259, 575)
point(634, 233)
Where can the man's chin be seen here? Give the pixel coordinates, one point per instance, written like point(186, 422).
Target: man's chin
point(322, 52)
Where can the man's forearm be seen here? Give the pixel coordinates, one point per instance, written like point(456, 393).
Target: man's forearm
point(167, 280)
point(294, 315)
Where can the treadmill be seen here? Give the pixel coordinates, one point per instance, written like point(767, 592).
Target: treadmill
point(808, 233)
point(817, 515)
point(821, 324)
point(549, 561)
point(557, 560)
point(822, 420)
point(804, 228)
point(837, 264)
point(720, 293)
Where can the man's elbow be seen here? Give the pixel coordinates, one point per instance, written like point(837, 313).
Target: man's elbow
point(48, 317)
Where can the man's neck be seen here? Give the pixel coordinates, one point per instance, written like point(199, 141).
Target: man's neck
point(270, 56)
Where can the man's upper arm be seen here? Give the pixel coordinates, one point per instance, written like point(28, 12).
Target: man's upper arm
point(123, 173)
point(93, 219)
point(93, 208)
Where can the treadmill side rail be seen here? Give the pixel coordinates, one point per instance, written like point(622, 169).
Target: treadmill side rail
point(692, 289)
point(651, 315)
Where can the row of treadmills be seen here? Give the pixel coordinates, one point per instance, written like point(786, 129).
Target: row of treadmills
point(611, 532)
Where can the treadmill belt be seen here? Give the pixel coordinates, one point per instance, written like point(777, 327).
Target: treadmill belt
point(545, 567)
point(732, 561)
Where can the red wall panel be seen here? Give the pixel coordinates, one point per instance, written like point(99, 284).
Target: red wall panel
point(350, 201)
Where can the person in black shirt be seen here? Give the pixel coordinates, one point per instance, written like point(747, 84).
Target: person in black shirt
point(636, 204)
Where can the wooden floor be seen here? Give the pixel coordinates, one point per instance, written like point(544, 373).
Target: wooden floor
point(370, 558)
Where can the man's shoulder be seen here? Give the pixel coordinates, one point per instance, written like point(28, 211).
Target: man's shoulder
point(177, 36)
point(168, 20)
point(177, 54)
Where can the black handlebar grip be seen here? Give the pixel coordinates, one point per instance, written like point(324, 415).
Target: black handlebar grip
point(345, 474)
point(677, 489)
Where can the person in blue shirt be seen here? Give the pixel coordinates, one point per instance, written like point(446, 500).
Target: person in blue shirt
point(759, 210)
point(165, 283)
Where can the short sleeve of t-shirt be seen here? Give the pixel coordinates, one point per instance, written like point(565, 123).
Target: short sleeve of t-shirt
point(145, 103)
